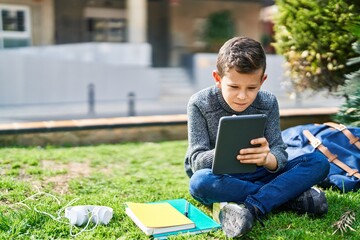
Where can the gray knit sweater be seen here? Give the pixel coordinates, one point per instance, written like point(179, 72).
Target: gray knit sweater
point(206, 107)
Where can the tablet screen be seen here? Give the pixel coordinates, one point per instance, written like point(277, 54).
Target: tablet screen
point(235, 133)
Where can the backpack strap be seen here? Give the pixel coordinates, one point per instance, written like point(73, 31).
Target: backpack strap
point(342, 128)
point(316, 143)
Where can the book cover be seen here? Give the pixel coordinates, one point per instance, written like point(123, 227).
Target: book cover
point(156, 218)
point(203, 223)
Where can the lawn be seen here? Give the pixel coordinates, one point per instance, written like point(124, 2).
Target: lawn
point(111, 175)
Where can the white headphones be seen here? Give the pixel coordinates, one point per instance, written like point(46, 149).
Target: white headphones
point(80, 215)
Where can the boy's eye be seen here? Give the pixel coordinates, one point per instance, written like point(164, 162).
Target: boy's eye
point(232, 86)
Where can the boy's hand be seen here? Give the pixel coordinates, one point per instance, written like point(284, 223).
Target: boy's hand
point(259, 155)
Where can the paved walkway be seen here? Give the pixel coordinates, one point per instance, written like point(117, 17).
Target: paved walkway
point(174, 105)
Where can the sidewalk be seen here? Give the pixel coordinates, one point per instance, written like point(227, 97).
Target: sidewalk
point(81, 110)
point(163, 106)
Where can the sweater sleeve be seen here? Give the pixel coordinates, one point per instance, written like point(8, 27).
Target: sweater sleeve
point(273, 135)
point(199, 154)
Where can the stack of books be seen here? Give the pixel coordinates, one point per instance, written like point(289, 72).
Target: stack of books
point(170, 217)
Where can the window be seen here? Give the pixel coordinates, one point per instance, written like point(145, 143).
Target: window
point(105, 25)
point(106, 30)
point(14, 26)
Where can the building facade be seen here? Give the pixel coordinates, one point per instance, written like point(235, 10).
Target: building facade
point(172, 27)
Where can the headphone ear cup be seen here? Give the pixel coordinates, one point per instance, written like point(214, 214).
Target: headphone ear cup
point(77, 215)
point(102, 215)
point(96, 215)
point(107, 215)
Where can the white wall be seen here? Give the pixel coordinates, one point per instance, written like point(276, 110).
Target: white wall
point(62, 73)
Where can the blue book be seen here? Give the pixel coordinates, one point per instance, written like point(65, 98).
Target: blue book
point(203, 223)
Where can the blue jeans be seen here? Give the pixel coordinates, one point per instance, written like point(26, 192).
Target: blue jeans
point(262, 189)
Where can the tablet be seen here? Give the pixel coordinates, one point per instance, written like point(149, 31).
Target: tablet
point(235, 133)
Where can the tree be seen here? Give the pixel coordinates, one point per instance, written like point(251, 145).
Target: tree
point(349, 113)
point(315, 40)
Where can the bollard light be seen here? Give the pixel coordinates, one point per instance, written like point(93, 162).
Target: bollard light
point(91, 99)
point(131, 104)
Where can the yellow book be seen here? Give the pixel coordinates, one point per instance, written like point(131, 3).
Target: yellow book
point(156, 218)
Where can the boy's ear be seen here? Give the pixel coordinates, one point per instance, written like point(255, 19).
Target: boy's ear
point(263, 78)
point(217, 78)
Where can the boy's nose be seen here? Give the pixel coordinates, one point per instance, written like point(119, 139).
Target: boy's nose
point(241, 95)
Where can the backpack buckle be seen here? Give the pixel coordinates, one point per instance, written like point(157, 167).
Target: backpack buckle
point(315, 143)
point(341, 127)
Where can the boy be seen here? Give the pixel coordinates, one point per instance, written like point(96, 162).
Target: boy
point(242, 198)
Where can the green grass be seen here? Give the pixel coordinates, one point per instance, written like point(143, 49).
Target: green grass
point(111, 175)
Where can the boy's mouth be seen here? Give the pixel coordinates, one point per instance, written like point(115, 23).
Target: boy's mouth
point(241, 104)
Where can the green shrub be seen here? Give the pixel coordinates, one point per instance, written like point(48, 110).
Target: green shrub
point(314, 37)
point(219, 28)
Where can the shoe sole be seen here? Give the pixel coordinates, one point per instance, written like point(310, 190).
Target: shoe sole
point(234, 221)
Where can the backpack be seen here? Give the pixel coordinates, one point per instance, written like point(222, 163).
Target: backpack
point(340, 144)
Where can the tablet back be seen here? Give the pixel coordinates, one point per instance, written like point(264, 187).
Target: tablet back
point(235, 133)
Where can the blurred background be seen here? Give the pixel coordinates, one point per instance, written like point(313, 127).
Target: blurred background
point(74, 59)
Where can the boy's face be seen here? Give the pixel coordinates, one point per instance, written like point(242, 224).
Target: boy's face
point(239, 89)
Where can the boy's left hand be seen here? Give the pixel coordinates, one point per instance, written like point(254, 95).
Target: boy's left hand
point(259, 155)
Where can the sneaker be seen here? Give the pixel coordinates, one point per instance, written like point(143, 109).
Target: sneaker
point(236, 220)
point(312, 201)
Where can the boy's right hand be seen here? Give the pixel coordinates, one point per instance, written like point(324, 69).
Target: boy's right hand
point(261, 155)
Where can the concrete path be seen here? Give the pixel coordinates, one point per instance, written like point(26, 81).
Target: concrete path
point(163, 106)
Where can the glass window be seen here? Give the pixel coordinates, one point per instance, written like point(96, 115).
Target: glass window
point(105, 24)
point(13, 20)
point(106, 30)
point(14, 26)
point(15, 42)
